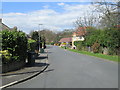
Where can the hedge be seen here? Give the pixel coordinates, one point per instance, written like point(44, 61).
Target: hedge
point(16, 44)
point(32, 45)
point(98, 39)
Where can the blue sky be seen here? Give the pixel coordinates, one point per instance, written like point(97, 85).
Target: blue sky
point(54, 15)
point(24, 7)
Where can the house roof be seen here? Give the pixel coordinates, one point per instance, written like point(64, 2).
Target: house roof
point(66, 40)
point(4, 27)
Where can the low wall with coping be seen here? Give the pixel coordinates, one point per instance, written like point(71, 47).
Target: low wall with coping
point(12, 66)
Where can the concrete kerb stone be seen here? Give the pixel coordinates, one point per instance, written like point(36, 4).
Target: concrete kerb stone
point(25, 79)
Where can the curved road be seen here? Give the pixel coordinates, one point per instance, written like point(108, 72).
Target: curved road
point(72, 70)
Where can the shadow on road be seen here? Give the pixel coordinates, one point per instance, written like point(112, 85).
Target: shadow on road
point(49, 70)
point(22, 73)
point(36, 65)
point(40, 58)
point(27, 72)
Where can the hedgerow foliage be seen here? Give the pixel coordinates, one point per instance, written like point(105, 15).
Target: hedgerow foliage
point(109, 37)
point(32, 45)
point(16, 44)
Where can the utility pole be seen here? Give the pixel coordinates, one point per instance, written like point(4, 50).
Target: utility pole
point(39, 36)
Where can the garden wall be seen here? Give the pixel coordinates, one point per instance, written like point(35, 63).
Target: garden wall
point(12, 66)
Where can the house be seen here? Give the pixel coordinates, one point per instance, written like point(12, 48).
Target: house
point(5, 27)
point(66, 42)
point(78, 35)
point(117, 26)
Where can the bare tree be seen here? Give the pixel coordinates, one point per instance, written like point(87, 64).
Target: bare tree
point(109, 12)
point(86, 20)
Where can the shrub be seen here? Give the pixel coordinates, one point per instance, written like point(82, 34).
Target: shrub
point(6, 56)
point(32, 45)
point(112, 51)
point(100, 49)
point(80, 45)
point(92, 37)
point(96, 47)
point(108, 37)
point(76, 43)
point(16, 43)
point(63, 43)
point(52, 43)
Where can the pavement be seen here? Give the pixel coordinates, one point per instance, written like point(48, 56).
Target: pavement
point(26, 73)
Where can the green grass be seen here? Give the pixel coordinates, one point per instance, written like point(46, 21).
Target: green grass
point(108, 57)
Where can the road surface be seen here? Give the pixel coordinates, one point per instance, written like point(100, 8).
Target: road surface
point(72, 70)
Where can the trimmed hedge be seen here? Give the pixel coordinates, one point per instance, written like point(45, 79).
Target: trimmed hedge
point(16, 44)
point(32, 45)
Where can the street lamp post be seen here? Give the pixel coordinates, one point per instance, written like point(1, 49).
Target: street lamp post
point(39, 36)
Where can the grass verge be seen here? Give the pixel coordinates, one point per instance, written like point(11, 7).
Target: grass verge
point(108, 57)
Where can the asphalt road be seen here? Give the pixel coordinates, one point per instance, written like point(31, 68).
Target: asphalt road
point(72, 70)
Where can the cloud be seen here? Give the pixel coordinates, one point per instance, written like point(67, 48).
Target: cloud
point(59, 0)
point(61, 4)
point(50, 18)
point(46, 6)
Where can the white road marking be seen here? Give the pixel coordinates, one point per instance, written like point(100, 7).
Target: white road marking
point(8, 84)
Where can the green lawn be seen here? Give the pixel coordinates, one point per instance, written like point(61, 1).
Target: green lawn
point(108, 57)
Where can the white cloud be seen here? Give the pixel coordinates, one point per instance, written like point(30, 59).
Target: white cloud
point(61, 4)
point(50, 18)
point(13, 14)
point(46, 6)
point(58, 0)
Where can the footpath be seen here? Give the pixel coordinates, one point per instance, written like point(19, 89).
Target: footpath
point(28, 72)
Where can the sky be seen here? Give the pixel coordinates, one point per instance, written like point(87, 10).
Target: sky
point(56, 16)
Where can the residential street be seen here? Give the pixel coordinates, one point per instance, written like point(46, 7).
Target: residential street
point(72, 70)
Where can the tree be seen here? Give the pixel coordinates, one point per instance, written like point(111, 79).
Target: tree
point(48, 35)
point(109, 13)
point(35, 36)
point(63, 34)
point(88, 20)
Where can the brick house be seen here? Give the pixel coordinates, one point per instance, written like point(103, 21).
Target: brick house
point(66, 42)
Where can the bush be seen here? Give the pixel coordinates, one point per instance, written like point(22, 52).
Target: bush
point(112, 51)
point(108, 37)
point(64, 44)
point(100, 49)
point(32, 45)
point(6, 56)
point(52, 43)
point(16, 43)
point(79, 45)
point(96, 47)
